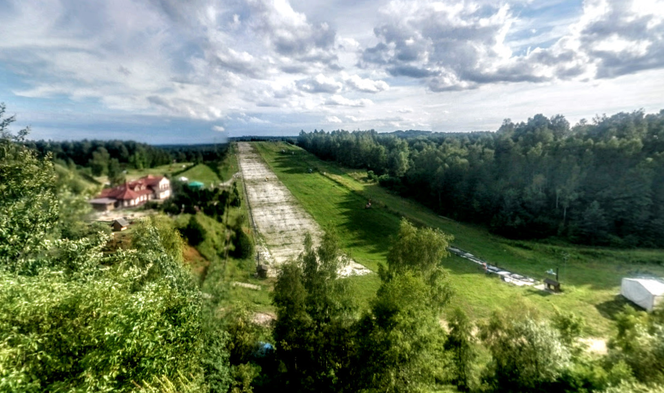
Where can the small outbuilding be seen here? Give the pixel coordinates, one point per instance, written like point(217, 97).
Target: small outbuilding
point(102, 204)
point(120, 224)
point(644, 292)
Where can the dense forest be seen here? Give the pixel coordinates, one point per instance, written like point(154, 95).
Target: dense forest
point(105, 156)
point(599, 183)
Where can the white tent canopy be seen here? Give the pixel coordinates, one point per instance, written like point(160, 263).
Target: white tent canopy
point(645, 292)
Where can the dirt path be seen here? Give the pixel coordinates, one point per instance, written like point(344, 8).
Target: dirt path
point(279, 219)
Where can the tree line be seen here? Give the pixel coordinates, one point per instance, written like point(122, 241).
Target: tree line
point(598, 183)
point(113, 156)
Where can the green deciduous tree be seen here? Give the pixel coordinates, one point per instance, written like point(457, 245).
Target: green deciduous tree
point(461, 343)
point(314, 319)
point(115, 174)
point(420, 250)
point(639, 342)
point(594, 225)
point(527, 353)
point(98, 323)
point(400, 341)
point(194, 231)
point(99, 162)
point(27, 201)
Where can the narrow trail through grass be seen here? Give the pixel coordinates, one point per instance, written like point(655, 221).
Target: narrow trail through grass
point(335, 197)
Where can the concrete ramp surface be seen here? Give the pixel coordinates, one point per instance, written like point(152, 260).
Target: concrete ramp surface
point(279, 219)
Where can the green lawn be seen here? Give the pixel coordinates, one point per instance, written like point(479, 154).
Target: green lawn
point(336, 197)
point(201, 173)
point(162, 170)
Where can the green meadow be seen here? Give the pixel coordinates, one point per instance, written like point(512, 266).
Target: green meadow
point(201, 173)
point(169, 169)
point(336, 198)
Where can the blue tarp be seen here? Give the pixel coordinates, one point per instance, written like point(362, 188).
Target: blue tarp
point(264, 349)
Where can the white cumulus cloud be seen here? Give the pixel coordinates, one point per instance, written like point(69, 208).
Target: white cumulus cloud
point(366, 85)
point(343, 101)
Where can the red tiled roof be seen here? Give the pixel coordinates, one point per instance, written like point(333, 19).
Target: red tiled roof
point(152, 180)
point(132, 190)
point(120, 192)
point(126, 193)
point(143, 192)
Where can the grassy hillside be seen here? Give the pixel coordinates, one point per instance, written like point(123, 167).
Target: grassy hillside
point(336, 197)
point(76, 182)
point(201, 173)
point(133, 174)
point(228, 166)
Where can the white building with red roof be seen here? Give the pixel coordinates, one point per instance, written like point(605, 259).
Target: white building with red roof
point(133, 193)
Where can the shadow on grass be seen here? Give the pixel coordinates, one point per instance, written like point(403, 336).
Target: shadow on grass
point(610, 308)
point(372, 228)
point(369, 229)
point(301, 162)
point(534, 291)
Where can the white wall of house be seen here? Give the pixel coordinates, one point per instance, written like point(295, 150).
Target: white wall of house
point(163, 190)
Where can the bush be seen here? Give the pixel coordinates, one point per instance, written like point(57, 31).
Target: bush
point(244, 247)
point(391, 183)
point(194, 232)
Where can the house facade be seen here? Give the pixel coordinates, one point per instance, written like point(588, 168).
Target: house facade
point(133, 193)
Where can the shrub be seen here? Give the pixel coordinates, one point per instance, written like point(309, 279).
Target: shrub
point(244, 247)
point(193, 232)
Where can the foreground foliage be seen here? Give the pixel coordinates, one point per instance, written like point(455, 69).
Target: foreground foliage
point(74, 317)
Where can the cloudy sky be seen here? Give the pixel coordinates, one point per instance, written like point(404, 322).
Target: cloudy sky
point(170, 71)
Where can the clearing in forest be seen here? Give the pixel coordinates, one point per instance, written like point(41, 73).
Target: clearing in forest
point(279, 219)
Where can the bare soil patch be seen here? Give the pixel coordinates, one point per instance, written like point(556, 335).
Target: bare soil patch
point(195, 260)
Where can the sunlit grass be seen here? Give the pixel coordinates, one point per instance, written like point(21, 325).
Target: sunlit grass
point(169, 169)
point(201, 173)
point(335, 197)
